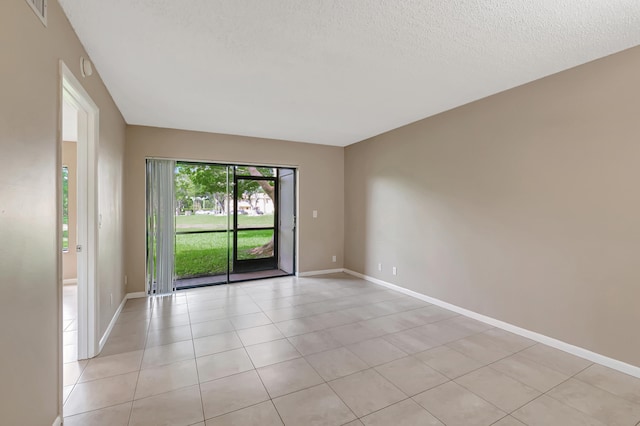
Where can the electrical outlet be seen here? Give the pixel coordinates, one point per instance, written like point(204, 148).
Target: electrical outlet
point(315, 214)
point(394, 270)
point(126, 280)
point(334, 259)
point(379, 266)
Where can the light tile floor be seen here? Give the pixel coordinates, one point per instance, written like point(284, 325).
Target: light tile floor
point(331, 350)
point(70, 322)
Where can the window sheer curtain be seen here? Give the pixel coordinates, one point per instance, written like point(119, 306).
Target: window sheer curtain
point(160, 226)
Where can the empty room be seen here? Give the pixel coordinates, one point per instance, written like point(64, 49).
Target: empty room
point(364, 213)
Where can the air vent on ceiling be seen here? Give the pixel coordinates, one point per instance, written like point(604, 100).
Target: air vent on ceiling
point(40, 9)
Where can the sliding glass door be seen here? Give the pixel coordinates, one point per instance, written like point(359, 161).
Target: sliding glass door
point(255, 200)
point(203, 223)
point(227, 224)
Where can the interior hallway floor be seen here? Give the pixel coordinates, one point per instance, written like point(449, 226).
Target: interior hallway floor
point(331, 350)
point(70, 323)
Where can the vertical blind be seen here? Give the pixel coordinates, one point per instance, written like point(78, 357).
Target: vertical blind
point(160, 226)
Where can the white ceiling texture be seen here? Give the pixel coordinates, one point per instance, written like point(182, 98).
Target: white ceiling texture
point(332, 71)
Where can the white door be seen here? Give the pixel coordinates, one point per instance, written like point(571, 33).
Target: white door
point(287, 220)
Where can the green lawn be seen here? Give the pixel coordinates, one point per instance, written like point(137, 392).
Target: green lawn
point(197, 222)
point(206, 254)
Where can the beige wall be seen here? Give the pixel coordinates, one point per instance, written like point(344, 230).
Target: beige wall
point(523, 206)
point(29, 212)
point(70, 257)
point(320, 187)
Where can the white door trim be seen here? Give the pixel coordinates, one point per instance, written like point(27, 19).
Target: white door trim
point(88, 132)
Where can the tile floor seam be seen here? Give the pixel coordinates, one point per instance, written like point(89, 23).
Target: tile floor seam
point(297, 390)
point(482, 398)
point(238, 409)
point(587, 384)
point(501, 409)
point(361, 371)
point(342, 400)
point(535, 399)
point(135, 388)
point(382, 335)
point(425, 408)
point(555, 369)
point(195, 361)
point(563, 403)
point(357, 321)
point(600, 388)
point(380, 409)
point(494, 362)
point(162, 393)
point(100, 409)
point(445, 345)
point(502, 418)
point(67, 398)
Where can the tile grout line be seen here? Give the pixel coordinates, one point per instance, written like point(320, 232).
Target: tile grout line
point(195, 361)
point(135, 388)
point(256, 370)
point(565, 381)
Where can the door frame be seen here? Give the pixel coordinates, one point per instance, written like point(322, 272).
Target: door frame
point(294, 172)
point(232, 163)
point(262, 263)
point(87, 208)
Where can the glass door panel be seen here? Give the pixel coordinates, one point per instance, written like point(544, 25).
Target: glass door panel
point(202, 224)
point(255, 219)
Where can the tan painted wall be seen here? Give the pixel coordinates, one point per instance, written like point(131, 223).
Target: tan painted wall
point(320, 186)
point(30, 230)
point(70, 257)
point(523, 206)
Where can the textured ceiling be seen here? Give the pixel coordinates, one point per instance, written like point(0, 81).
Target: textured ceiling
point(328, 71)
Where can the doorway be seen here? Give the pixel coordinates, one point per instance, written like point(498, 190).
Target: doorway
point(255, 197)
point(78, 218)
point(69, 231)
point(232, 223)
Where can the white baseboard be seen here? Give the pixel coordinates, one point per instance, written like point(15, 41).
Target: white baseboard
point(113, 321)
point(615, 364)
point(70, 281)
point(323, 272)
point(57, 421)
